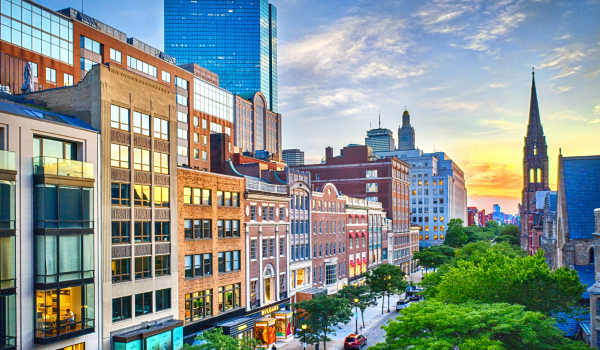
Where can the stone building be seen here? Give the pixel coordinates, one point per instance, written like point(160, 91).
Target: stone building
point(594, 290)
point(50, 229)
point(549, 229)
point(212, 252)
point(137, 120)
point(578, 195)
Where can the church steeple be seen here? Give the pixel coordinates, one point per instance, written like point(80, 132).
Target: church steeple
point(406, 133)
point(535, 125)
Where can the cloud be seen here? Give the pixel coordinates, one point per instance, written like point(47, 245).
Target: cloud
point(502, 124)
point(597, 109)
point(595, 121)
point(493, 179)
point(564, 59)
point(564, 37)
point(497, 85)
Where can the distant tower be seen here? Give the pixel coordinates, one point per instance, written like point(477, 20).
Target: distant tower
point(406, 134)
point(535, 164)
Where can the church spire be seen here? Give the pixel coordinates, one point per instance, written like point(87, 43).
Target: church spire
point(535, 125)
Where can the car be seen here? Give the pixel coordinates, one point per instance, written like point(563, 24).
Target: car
point(415, 297)
point(355, 341)
point(402, 304)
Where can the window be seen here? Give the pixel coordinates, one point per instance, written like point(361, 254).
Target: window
point(182, 150)
point(202, 265)
point(163, 299)
point(182, 134)
point(141, 123)
point(119, 118)
point(265, 213)
point(141, 231)
point(253, 249)
point(330, 274)
point(90, 45)
point(121, 308)
point(161, 129)
point(141, 66)
point(228, 228)
point(119, 156)
point(265, 248)
point(204, 124)
point(143, 304)
point(272, 247)
point(181, 83)
point(198, 305)
point(196, 154)
point(182, 100)
point(68, 79)
point(143, 268)
point(235, 199)
point(282, 214)
point(86, 64)
point(121, 270)
point(141, 159)
point(34, 69)
point(282, 247)
point(204, 156)
point(120, 194)
point(161, 265)
point(372, 187)
point(120, 232)
point(50, 75)
point(197, 229)
point(253, 212)
point(141, 195)
point(161, 163)
point(371, 173)
point(196, 196)
point(161, 197)
point(229, 261)
point(271, 213)
point(229, 297)
point(115, 55)
point(161, 231)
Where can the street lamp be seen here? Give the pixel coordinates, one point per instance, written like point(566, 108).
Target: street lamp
point(389, 278)
point(304, 335)
point(356, 315)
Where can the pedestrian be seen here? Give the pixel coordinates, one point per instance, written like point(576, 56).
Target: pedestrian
point(274, 347)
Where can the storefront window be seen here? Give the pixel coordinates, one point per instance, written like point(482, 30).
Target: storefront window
point(229, 297)
point(198, 305)
point(60, 311)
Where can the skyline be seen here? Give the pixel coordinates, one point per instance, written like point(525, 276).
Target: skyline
point(461, 68)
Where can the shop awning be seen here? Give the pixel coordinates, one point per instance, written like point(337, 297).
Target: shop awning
point(352, 234)
point(358, 262)
point(352, 263)
point(364, 260)
point(364, 234)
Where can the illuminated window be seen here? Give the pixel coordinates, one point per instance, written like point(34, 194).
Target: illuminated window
point(441, 228)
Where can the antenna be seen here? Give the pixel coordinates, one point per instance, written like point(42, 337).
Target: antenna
point(379, 118)
point(532, 72)
point(81, 6)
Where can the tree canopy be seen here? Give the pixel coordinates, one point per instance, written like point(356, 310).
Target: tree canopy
point(321, 315)
point(362, 293)
point(509, 234)
point(434, 257)
point(497, 278)
point(434, 325)
point(214, 339)
point(386, 279)
point(455, 235)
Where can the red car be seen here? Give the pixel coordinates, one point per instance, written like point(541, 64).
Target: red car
point(355, 341)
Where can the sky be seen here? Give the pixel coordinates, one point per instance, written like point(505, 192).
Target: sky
point(462, 68)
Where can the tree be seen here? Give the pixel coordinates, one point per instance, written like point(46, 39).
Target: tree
point(476, 250)
point(386, 279)
point(509, 234)
point(214, 339)
point(475, 234)
point(497, 278)
point(491, 224)
point(455, 236)
point(434, 325)
point(321, 314)
point(362, 293)
point(434, 257)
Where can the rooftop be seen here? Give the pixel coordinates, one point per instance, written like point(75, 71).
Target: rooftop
point(581, 179)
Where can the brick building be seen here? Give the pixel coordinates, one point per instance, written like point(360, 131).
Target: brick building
point(139, 280)
point(472, 216)
point(64, 51)
point(481, 218)
point(212, 253)
point(357, 240)
point(329, 254)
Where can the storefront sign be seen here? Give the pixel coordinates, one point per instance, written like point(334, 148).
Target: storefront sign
point(134, 345)
point(242, 327)
point(178, 338)
point(269, 310)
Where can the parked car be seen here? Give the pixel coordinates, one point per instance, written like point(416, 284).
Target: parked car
point(415, 297)
point(402, 304)
point(355, 341)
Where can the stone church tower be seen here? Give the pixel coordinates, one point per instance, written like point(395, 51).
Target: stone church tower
point(406, 134)
point(535, 164)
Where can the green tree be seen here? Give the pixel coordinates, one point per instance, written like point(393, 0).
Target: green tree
point(475, 234)
point(386, 279)
point(362, 293)
point(455, 236)
point(322, 314)
point(476, 250)
point(435, 325)
point(491, 224)
point(214, 339)
point(497, 278)
point(509, 234)
point(433, 257)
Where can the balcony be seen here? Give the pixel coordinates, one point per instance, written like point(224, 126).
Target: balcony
point(265, 187)
point(62, 167)
point(7, 160)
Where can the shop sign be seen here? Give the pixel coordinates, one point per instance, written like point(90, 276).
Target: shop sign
point(178, 338)
point(269, 310)
point(242, 327)
point(134, 345)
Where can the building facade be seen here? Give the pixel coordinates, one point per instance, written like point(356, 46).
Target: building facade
point(594, 290)
point(328, 214)
point(438, 192)
point(257, 129)
point(549, 228)
point(380, 140)
point(49, 230)
point(292, 157)
point(237, 40)
point(406, 134)
point(535, 165)
point(138, 196)
point(472, 216)
point(64, 45)
point(357, 240)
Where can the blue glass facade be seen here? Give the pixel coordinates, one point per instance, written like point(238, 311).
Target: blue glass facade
point(237, 39)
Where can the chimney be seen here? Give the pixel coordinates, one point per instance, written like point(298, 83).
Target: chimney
point(219, 152)
point(328, 152)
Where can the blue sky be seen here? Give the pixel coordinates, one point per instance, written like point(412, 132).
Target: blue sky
point(462, 68)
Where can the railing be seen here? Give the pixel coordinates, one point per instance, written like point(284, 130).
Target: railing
point(263, 187)
point(283, 295)
point(7, 160)
point(254, 304)
point(62, 167)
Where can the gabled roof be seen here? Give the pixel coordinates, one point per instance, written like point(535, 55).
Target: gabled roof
point(43, 114)
point(582, 194)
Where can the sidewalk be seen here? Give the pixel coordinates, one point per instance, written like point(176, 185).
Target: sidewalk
point(372, 317)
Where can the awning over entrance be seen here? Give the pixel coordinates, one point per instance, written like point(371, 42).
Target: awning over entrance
point(167, 335)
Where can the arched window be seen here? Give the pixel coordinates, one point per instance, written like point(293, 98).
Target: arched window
point(534, 149)
point(592, 256)
point(539, 175)
point(531, 176)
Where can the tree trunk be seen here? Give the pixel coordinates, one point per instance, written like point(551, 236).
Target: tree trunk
point(325, 340)
point(362, 315)
point(388, 302)
point(382, 300)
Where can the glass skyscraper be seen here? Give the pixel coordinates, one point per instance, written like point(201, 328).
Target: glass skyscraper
point(237, 39)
